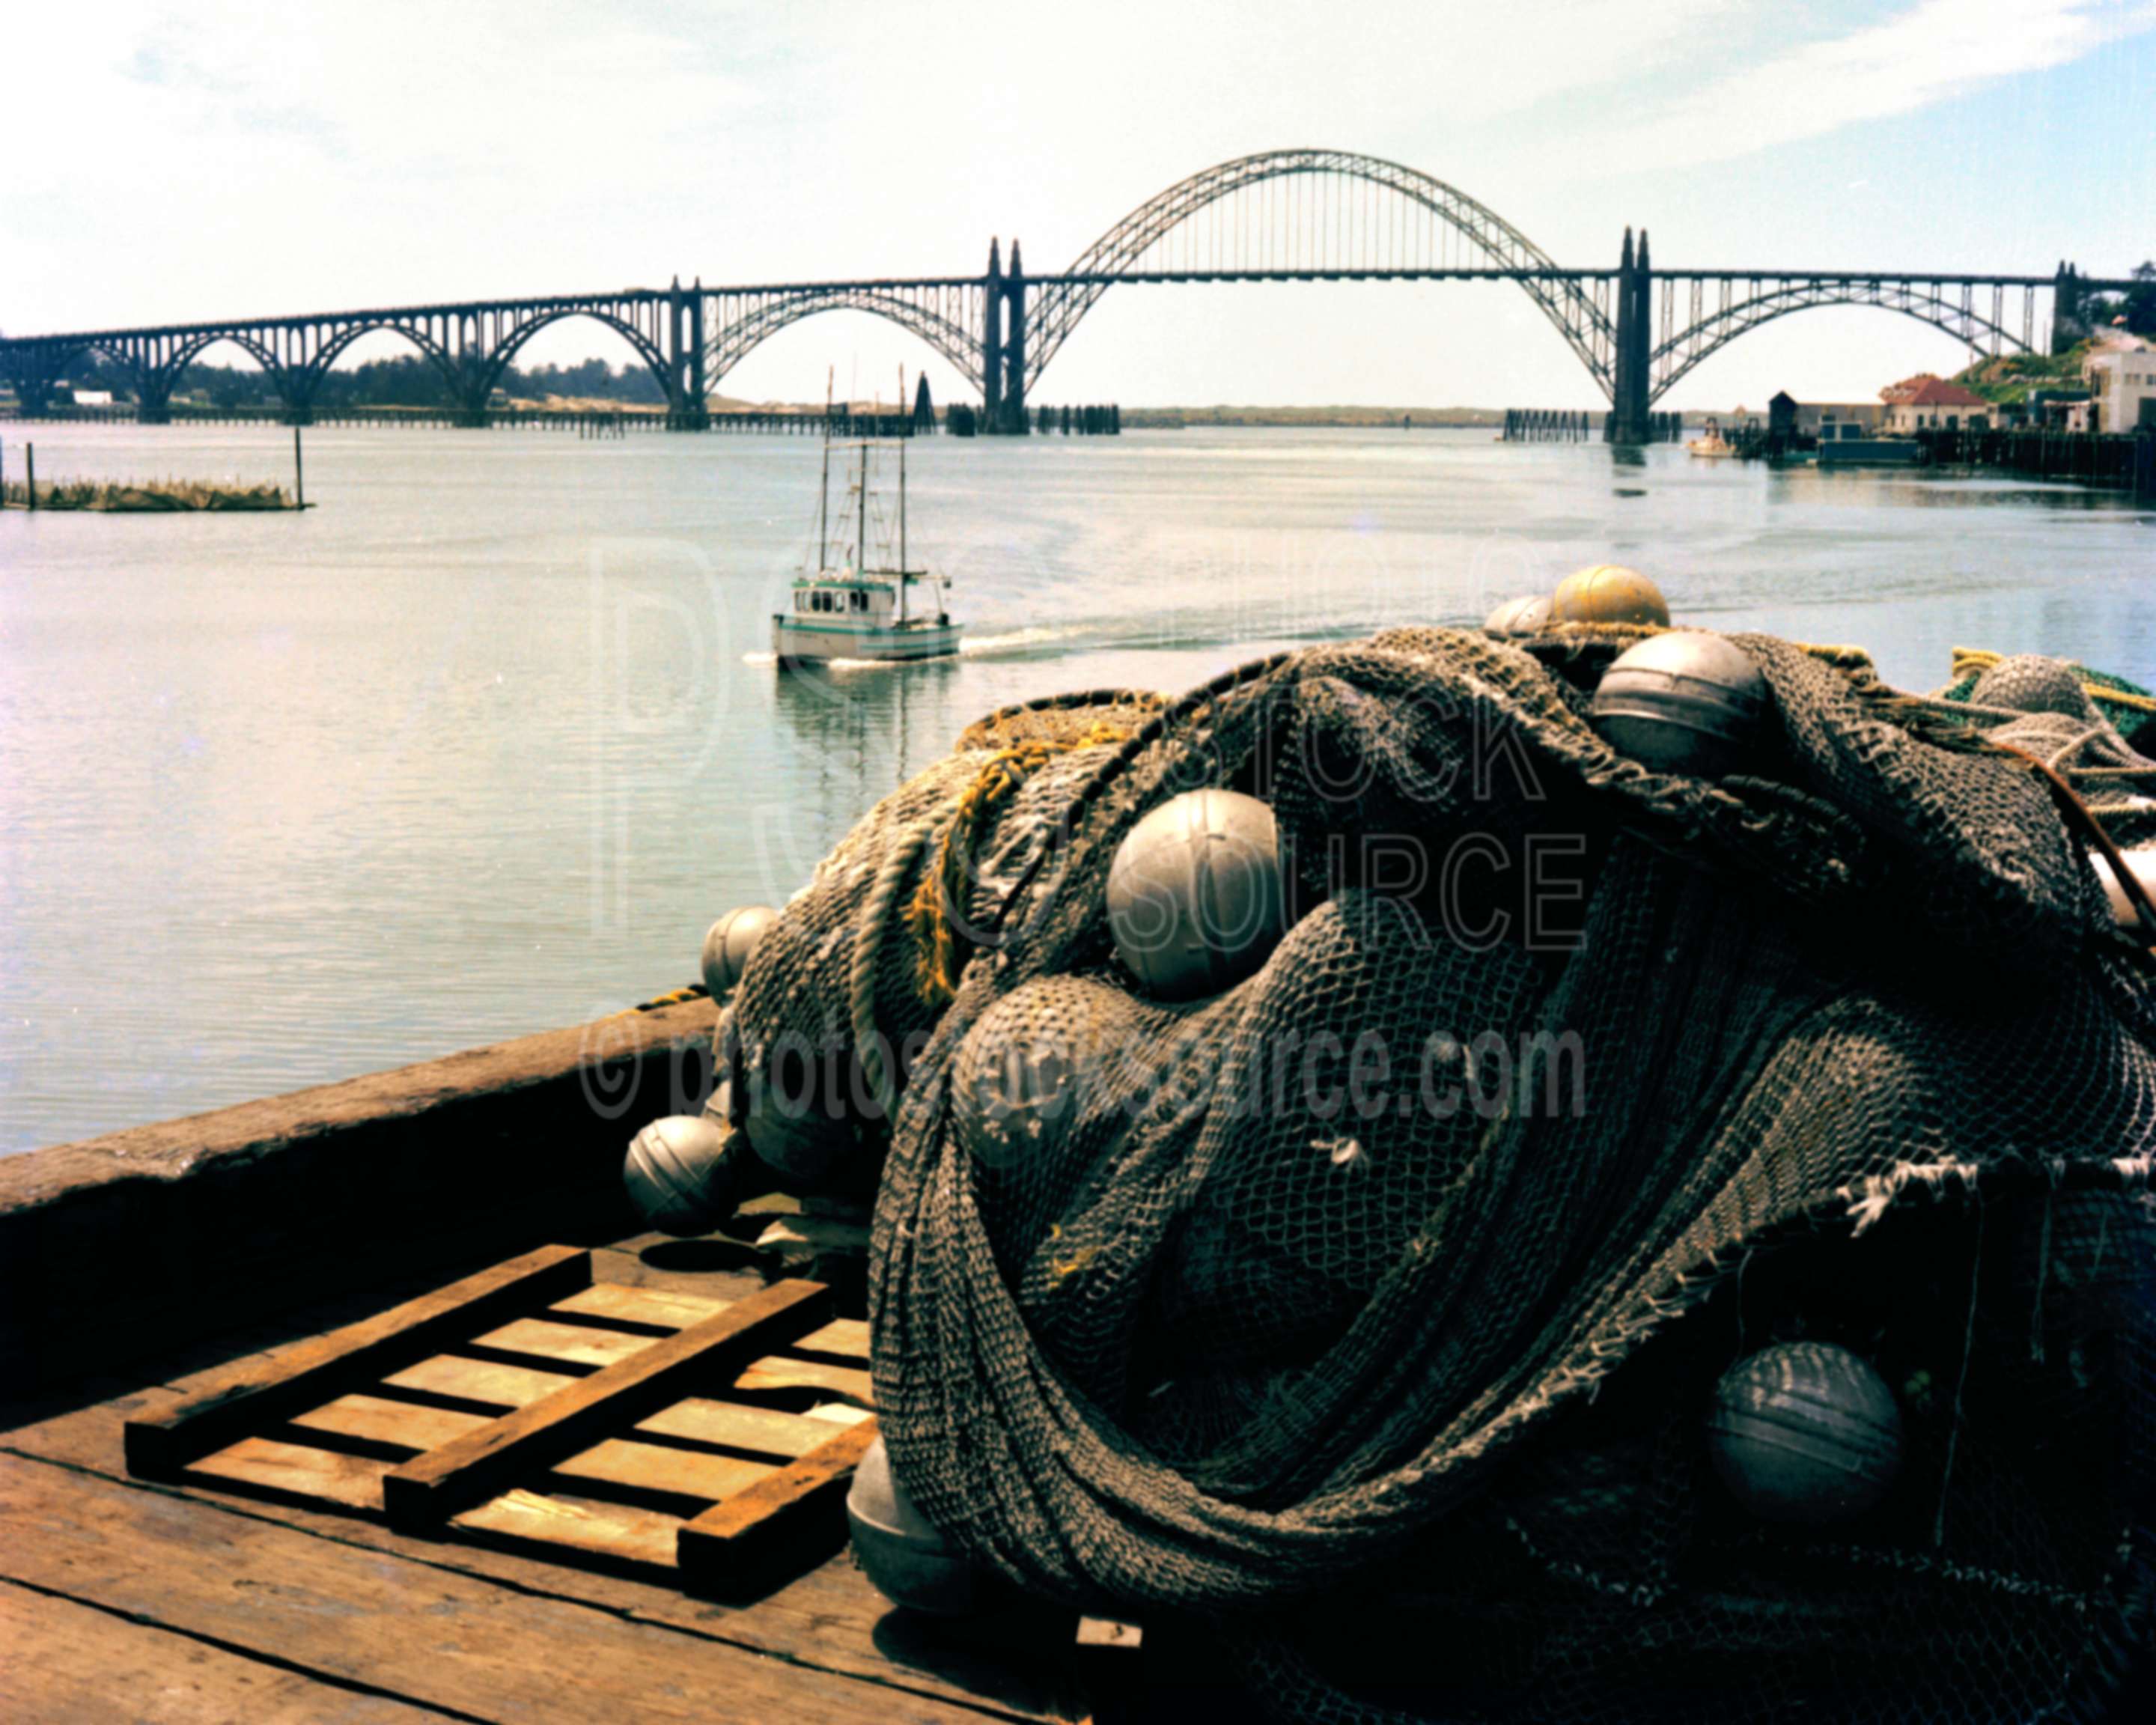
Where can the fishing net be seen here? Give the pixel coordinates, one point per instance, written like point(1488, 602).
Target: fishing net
point(1368, 1311)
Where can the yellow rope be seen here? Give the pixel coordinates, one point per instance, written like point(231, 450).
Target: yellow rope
point(945, 884)
point(1969, 661)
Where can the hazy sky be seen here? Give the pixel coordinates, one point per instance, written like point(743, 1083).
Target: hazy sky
point(166, 162)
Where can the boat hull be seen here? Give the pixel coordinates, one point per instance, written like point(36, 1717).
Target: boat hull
point(797, 643)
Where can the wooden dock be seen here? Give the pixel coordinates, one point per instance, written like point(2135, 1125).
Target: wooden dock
point(138, 1270)
point(179, 1602)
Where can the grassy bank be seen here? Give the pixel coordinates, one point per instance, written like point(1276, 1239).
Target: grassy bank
point(132, 497)
point(2008, 378)
point(1156, 418)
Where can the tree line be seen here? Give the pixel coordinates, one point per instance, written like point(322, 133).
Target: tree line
point(407, 380)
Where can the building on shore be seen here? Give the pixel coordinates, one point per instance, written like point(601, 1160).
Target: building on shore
point(2121, 384)
point(1929, 403)
point(1825, 418)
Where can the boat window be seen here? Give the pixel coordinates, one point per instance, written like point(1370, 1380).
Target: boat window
point(861, 600)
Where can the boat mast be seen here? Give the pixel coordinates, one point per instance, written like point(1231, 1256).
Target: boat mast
point(823, 497)
point(861, 531)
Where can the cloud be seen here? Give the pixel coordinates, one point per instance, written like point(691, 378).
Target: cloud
point(1933, 52)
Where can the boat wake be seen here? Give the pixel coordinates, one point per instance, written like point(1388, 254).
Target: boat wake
point(1016, 641)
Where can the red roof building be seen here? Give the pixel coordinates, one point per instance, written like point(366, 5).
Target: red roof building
point(1928, 403)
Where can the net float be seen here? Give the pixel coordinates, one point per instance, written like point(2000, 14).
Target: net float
point(1685, 701)
point(729, 944)
point(1608, 593)
point(1804, 1432)
point(1194, 893)
point(681, 1174)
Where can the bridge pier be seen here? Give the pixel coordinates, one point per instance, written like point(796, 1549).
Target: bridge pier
point(992, 341)
point(1015, 423)
point(1634, 360)
point(688, 407)
point(31, 373)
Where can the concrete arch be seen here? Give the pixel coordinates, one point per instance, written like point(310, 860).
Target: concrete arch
point(308, 378)
point(505, 351)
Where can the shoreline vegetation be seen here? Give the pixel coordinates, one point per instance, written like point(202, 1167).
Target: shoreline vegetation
point(136, 497)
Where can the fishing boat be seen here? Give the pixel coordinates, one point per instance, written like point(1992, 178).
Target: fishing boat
point(860, 606)
point(1712, 447)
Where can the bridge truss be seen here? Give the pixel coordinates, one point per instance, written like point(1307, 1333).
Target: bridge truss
point(470, 345)
point(1278, 216)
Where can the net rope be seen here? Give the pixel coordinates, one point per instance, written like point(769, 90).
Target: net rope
point(1405, 1401)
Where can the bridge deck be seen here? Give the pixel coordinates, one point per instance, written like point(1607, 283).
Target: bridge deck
point(175, 1604)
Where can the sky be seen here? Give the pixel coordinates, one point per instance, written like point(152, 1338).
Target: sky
point(174, 163)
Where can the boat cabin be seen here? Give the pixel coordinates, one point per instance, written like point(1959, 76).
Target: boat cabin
point(869, 599)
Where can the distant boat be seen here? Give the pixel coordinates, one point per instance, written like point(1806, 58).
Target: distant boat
point(857, 607)
point(1713, 446)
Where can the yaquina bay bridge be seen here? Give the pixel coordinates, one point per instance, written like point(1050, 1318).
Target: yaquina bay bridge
point(1283, 215)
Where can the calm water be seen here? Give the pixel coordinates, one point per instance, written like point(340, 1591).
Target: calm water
point(481, 744)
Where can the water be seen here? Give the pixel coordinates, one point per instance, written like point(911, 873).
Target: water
point(480, 744)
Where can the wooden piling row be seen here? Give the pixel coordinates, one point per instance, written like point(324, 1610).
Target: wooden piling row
point(1546, 425)
point(2113, 461)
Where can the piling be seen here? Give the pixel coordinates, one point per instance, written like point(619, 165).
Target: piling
point(299, 472)
point(30, 473)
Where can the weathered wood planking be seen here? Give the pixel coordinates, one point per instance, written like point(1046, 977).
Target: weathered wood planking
point(608, 1460)
point(435, 1636)
point(254, 1392)
point(844, 1338)
point(827, 1616)
point(481, 1464)
point(295, 1473)
point(62, 1661)
point(746, 1528)
point(414, 1426)
point(605, 1533)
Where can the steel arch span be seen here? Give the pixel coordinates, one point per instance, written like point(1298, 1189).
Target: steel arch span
point(1584, 323)
point(1681, 350)
point(764, 315)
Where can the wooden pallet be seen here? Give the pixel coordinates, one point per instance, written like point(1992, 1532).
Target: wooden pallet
point(605, 1425)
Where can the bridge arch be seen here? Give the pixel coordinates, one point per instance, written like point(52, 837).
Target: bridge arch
point(1585, 324)
point(187, 351)
point(729, 345)
point(505, 351)
point(1681, 351)
point(307, 379)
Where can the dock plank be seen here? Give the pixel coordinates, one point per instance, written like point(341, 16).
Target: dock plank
point(376, 1420)
point(763, 1431)
point(846, 1338)
point(651, 1467)
point(62, 1661)
point(295, 1471)
point(263, 1387)
point(479, 1466)
point(730, 1425)
point(487, 1382)
point(437, 1636)
point(572, 1344)
point(779, 1372)
point(781, 1506)
point(614, 1531)
point(829, 1617)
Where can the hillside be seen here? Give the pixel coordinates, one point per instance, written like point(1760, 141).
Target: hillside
point(2010, 377)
